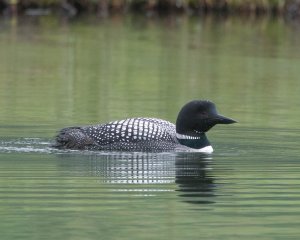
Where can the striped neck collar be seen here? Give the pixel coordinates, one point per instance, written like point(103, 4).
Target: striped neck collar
point(183, 136)
point(196, 142)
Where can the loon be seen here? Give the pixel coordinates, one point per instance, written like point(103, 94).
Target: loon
point(148, 134)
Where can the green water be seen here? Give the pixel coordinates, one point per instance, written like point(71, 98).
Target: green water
point(55, 73)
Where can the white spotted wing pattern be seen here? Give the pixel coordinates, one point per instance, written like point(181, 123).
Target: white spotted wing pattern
point(133, 133)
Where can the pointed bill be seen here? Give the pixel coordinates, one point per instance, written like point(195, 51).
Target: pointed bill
point(224, 120)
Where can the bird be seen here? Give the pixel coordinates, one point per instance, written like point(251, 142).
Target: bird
point(142, 134)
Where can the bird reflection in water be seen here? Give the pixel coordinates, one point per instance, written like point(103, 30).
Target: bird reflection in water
point(194, 179)
point(151, 173)
point(137, 168)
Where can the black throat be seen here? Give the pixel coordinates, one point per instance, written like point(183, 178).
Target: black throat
point(198, 142)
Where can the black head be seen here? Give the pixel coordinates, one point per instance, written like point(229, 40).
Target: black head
point(199, 116)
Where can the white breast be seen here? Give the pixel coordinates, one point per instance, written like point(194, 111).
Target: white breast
point(207, 149)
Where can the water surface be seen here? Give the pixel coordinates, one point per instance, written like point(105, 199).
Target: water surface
point(55, 73)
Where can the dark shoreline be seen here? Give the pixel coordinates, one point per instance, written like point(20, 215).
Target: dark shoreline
point(103, 8)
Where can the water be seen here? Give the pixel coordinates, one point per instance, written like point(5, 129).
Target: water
point(55, 74)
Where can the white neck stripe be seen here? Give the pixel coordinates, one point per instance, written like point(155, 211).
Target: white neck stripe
point(182, 136)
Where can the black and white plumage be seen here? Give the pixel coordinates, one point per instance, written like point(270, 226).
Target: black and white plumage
point(148, 134)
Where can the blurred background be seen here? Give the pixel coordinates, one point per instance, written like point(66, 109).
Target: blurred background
point(77, 62)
